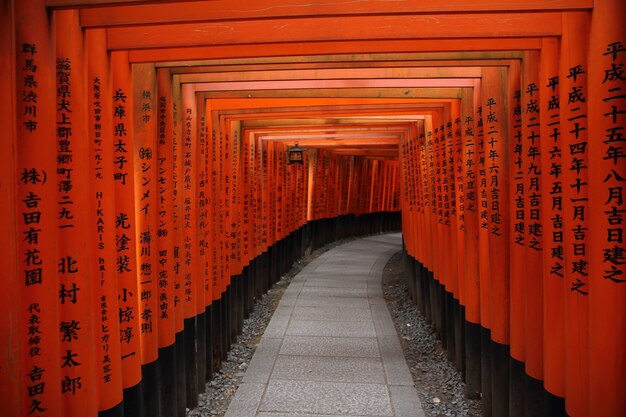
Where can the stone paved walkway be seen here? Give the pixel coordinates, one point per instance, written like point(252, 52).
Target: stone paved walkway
point(331, 348)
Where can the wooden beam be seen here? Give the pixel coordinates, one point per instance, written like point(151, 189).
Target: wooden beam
point(286, 123)
point(266, 50)
point(355, 59)
point(424, 93)
point(140, 13)
point(346, 28)
point(331, 74)
point(335, 84)
point(456, 64)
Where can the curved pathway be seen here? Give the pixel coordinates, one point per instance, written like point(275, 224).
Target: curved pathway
point(331, 348)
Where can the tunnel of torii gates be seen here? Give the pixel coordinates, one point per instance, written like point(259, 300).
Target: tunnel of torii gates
point(147, 200)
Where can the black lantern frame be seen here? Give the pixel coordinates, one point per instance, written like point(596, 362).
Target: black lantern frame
point(295, 154)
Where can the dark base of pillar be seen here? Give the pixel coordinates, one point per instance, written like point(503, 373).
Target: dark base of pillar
point(473, 378)
point(485, 363)
point(516, 388)
point(500, 378)
point(117, 411)
point(167, 376)
point(208, 312)
point(216, 335)
point(554, 406)
point(201, 351)
point(133, 401)
point(181, 380)
point(191, 371)
point(534, 397)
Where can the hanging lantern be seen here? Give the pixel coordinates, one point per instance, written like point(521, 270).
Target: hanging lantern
point(295, 155)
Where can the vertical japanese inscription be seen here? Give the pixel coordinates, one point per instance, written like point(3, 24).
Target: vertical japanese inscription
point(68, 267)
point(533, 169)
point(494, 163)
point(576, 128)
point(144, 211)
point(556, 241)
point(164, 173)
point(519, 225)
point(614, 154)
point(124, 237)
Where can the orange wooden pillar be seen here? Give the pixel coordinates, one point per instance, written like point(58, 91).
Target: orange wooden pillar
point(204, 284)
point(234, 129)
point(429, 221)
point(224, 225)
point(76, 296)
point(33, 377)
point(459, 178)
point(190, 265)
point(145, 159)
point(552, 227)
point(575, 135)
point(483, 249)
point(106, 325)
point(470, 272)
point(517, 241)
point(11, 390)
point(247, 216)
point(531, 137)
point(125, 241)
point(607, 178)
point(443, 232)
point(495, 118)
point(214, 248)
point(178, 242)
point(450, 221)
point(418, 198)
point(165, 237)
point(457, 239)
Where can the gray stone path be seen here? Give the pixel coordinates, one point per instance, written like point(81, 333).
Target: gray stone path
point(331, 348)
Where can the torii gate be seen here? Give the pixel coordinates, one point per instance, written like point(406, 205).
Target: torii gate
point(533, 269)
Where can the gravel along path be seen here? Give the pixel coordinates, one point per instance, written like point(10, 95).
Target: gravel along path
point(220, 390)
point(439, 384)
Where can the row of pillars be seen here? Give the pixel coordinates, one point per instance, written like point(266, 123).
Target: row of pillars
point(513, 220)
point(140, 224)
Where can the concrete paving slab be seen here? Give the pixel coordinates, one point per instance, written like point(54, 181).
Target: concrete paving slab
point(279, 322)
point(316, 301)
point(334, 283)
point(382, 320)
point(262, 362)
point(334, 292)
point(246, 400)
point(406, 402)
point(332, 313)
point(331, 328)
point(326, 346)
point(328, 368)
point(394, 362)
point(327, 398)
point(266, 414)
